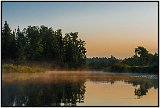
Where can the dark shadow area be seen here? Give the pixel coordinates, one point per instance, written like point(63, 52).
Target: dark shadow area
point(52, 94)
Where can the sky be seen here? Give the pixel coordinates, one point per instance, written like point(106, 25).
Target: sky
point(108, 28)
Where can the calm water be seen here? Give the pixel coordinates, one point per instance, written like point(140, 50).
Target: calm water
point(79, 89)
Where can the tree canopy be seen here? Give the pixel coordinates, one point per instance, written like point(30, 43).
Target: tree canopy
point(42, 43)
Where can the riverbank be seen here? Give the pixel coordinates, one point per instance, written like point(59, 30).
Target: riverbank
point(35, 67)
point(132, 69)
point(7, 68)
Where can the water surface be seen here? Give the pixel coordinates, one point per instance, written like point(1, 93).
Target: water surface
point(79, 88)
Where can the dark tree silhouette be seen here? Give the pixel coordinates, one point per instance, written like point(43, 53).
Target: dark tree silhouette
point(143, 54)
point(8, 43)
point(21, 44)
point(43, 44)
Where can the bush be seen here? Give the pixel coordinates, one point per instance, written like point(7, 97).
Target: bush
point(144, 69)
point(118, 68)
point(134, 69)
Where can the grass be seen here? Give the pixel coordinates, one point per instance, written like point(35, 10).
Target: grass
point(19, 68)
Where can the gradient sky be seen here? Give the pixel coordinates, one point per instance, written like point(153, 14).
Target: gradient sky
point(109, 28)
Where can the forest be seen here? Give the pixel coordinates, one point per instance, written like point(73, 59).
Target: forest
point(42, 44)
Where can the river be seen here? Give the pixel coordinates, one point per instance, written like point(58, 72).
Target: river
point(79, 88)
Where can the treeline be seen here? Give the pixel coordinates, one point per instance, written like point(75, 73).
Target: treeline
point(141, 61)
point(42, 44)
point(99, 63)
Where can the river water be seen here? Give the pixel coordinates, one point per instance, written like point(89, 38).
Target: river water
point(79, 88)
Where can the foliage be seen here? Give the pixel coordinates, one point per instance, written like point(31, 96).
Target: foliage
point(142, 53)
point(8, 43)
point(99, 63)
point(43, 44)
point(142, 61)
point(119, 68)
point(74, 50)
point(134, 69)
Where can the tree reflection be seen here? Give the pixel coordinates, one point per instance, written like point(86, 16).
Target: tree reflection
point(65, 92)
point(55, 94)
point(144, 84)
point(140, 91)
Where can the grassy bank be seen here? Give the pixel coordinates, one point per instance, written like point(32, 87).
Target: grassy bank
point(119, 68)
point(132, 69)
point(34, 67)
point(20, 68)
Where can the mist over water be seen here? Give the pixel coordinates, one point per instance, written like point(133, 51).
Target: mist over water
point(79, 88)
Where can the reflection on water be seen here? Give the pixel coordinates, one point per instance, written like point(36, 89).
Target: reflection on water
point(78, 88)
point(140, 92)
point(53, 94)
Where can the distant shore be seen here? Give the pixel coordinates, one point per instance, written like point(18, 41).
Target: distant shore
point(12, 68)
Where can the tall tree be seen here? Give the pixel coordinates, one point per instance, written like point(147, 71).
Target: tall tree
point(48, 38)
point(75, 51)
point(34, 47)
point(143, 54)
point(8, 43)
point(59, 47)
point(21, 43)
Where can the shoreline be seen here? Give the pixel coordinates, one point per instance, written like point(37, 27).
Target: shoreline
point(12, 68)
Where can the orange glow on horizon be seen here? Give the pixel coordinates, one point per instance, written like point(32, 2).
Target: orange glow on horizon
point(120, 47)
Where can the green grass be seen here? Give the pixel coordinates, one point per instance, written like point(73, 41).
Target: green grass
point(18, 68)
